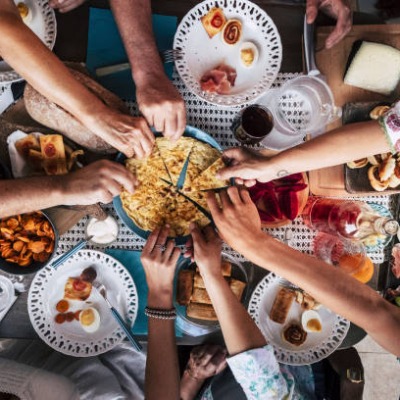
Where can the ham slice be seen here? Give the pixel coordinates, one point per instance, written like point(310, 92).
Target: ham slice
point(218, 80)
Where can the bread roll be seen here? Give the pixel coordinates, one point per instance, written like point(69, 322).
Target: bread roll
point(51, 115)
point(185, 286)
point(282, 303)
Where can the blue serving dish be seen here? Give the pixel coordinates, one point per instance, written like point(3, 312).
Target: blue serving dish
point(190, 131)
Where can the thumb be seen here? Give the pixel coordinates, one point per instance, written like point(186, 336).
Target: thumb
point(229, 172)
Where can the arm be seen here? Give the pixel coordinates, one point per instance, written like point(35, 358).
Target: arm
point(348, 143)
point(337, 9)
point(100, 181)
point(158, 100)
point(162, 369)
point(24, 51)
point(239, 225)
point(239, 330)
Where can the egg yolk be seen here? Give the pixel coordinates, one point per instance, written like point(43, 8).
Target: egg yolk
point(247, 56)
point(87, 317)
point(314, 325)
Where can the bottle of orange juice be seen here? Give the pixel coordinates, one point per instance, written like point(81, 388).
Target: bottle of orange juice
point(348, 255)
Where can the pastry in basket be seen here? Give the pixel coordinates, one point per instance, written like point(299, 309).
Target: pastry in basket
point(155, 202)
point(213, 21)
point(47, 153)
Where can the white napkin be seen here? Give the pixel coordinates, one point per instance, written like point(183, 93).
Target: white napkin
point(19, 166)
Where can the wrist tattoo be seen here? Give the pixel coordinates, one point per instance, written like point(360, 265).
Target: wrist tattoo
point(282, 173)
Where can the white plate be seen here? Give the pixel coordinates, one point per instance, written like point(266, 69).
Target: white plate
point(200, 53)
point(43, 24)
point(317, 346)
point(69, 338)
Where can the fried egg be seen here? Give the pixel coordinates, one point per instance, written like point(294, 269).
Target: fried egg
point(89, 318)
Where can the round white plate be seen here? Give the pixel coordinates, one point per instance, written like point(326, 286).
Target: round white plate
point(43, 24)
point(200, 53)
point(69, 338)
point(317, 346)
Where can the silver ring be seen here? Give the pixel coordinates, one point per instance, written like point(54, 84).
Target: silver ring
point(160, 246)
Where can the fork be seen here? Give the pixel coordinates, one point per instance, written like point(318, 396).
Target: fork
point(167, 56)
point(101, 289)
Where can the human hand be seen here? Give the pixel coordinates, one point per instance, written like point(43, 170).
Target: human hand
point(130, 135)
point(100, 181)
point(65, 5)
point(337, 9)
point(206, 361)
point(162, 106)
point(207, 247)
point(237, 219)
point(159, 259)
point(245, 166)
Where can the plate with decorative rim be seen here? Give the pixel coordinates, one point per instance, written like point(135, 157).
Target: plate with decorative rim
point(47, 289)
point(43, 24)
point(317, 346)
point(201, 54)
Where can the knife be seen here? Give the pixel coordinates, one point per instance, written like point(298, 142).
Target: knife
point(182, 175)
point(197, 205)
point(165, 165)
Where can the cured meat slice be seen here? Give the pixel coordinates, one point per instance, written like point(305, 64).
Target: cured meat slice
point(219, 80)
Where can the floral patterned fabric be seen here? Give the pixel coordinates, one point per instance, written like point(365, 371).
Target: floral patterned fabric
point(390, 123)
point(262, 377)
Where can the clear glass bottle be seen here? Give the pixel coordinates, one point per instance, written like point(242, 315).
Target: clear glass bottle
point(347, 218)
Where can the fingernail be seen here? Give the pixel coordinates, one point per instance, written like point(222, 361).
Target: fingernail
point(192, 226)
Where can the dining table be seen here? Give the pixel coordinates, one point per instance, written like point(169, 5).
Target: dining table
point(71, 45)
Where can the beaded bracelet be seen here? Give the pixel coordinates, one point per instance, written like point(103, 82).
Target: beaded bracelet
point(160, 313)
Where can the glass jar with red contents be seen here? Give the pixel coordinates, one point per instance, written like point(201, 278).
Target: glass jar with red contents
point(348, 219)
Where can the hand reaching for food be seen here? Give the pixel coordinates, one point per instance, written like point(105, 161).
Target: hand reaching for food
point(162, 106)
point(65, 5)
point(159, 258)
point(206, 361)
point(245, 166)
point(337, 9)
point(98, 182)
point(237, 219)
point(207, 247)
point(130, 135)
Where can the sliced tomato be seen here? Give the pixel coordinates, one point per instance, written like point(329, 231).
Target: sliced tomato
point(50, 150)
point(79, 285)
point(217, 21)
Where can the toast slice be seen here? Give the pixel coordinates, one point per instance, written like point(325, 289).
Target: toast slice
point(201, 311)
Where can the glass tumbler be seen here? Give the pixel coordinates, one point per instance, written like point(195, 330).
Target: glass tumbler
point(348, 255)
